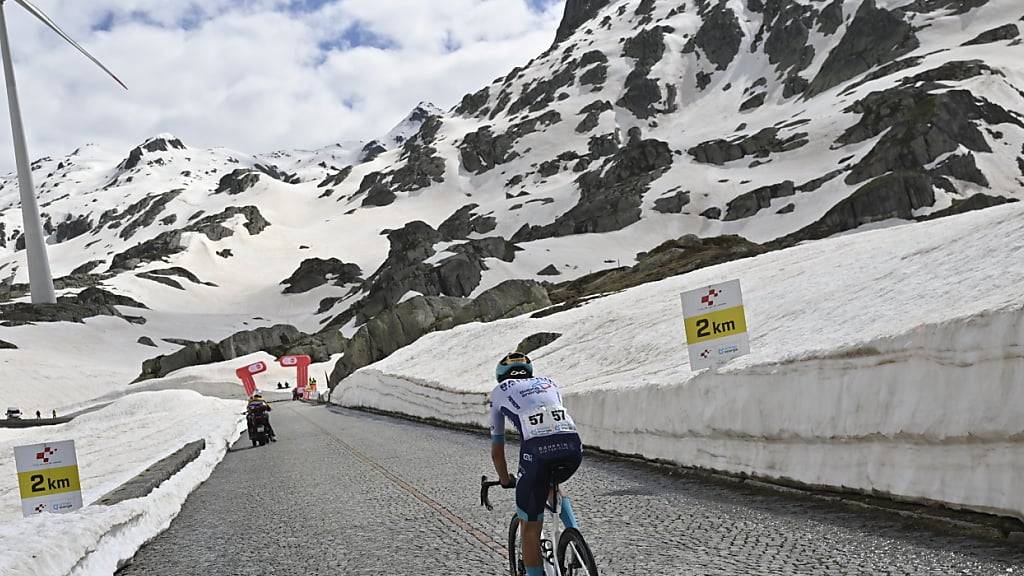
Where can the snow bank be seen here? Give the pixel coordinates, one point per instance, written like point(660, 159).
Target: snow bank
point(114, 445)
point(888, 361)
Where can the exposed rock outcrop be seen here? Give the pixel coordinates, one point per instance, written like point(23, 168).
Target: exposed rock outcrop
point(87, 304)
point(610, 196)
point(535, 342)
point(760, 145)
point(238, 181)
point(464, 222)
point(169, 243)
point(576, 13)
point(405, 323)
point(750, 203)
point(315, 272)
point(672, 204)
point(874, 37)
point(894, 195)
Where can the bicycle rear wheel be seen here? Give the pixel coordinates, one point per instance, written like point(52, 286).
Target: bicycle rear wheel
point(574, 556)
point(515, 549)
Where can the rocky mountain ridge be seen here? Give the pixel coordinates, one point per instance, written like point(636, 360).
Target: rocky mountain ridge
point(777, 121)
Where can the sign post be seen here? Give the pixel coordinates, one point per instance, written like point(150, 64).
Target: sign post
point(48, 478)
point(716, 325)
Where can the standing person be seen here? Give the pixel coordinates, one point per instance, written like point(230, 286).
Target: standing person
point(39, 415)
point(550, 453)
point(54, 414)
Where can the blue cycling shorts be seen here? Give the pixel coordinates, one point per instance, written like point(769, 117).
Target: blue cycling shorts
point(542, 462)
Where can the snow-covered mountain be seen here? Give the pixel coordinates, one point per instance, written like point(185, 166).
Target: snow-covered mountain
point(776, 120)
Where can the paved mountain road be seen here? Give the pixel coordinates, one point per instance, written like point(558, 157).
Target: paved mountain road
point(347, 493)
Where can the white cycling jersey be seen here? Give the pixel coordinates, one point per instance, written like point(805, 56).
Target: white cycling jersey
point(534, 405)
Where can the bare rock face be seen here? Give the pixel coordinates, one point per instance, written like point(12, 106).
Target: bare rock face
point(86, 304)
point(894, 195)
point(71, 227)
point(919, 127)
point(407, 322)
point(610, 196)
point(977, 201)
point(642, 92)
point(238, 181)
point(537, 341)
point(750, 203)
point(1004, 32)
point(464, 222)
point(315, 272)
point(169, 243)
point(875, 36)
point(760, 145)
point(152, 146)
point(719, 36)
point(482, 150)
point(576, 13)
point(336, 179)
point(672, 204)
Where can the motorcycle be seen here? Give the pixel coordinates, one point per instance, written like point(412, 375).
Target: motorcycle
point(259, 429)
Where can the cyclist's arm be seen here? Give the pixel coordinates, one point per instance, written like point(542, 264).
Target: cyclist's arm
point(498, 445)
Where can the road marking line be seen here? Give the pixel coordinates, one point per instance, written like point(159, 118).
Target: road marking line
point(454, 519)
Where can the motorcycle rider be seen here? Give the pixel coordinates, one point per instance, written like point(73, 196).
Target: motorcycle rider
point(257, 407)
point(550, 452)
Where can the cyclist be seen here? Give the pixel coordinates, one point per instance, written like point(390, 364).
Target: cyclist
point(550, 453)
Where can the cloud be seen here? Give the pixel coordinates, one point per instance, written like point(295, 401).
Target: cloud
point(258, 75)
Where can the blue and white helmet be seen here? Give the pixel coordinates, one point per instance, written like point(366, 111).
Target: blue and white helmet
point(514, 365)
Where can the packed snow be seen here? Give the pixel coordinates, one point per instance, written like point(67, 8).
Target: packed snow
point(113, 444)
point(883, 361)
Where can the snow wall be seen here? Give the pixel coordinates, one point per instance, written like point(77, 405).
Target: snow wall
point(930, 408)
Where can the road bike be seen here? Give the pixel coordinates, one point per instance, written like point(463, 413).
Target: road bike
point(571, 556)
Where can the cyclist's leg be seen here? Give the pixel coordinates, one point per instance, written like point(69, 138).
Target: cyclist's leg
point(567, 466)
point(531, 493)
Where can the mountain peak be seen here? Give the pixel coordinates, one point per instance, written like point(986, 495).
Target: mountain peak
point(577, 12)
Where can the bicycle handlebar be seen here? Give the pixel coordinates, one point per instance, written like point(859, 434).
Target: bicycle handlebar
point(485, 487)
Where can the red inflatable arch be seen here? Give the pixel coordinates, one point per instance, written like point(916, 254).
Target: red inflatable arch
point(301, 363)
point(247, 373)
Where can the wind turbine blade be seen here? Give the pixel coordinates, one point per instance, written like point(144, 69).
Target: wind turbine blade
point(32, 9)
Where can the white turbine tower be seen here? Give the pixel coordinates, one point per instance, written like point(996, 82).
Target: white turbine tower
point(40, 279)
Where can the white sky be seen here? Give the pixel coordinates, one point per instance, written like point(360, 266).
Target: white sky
point(257, 75)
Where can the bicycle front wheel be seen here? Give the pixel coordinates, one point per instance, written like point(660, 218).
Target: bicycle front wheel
point(574, 556)
point(515, 549)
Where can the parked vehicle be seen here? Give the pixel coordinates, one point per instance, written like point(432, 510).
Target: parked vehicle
point(13, 414)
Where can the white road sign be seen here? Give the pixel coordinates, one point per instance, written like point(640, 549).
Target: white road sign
point(716, 325)
point(48, 478)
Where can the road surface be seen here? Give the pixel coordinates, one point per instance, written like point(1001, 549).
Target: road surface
point(347, 493)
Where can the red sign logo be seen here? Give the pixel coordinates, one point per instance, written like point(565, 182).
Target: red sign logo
point(45, 454)
point(709, 300)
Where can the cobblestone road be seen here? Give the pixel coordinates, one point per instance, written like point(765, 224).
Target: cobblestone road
point(398, 498)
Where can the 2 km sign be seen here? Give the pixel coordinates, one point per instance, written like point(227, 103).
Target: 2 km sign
point(716, 326)
point(48, 478)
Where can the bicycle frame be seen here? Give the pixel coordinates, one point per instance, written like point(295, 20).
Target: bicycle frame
point(548, 546)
